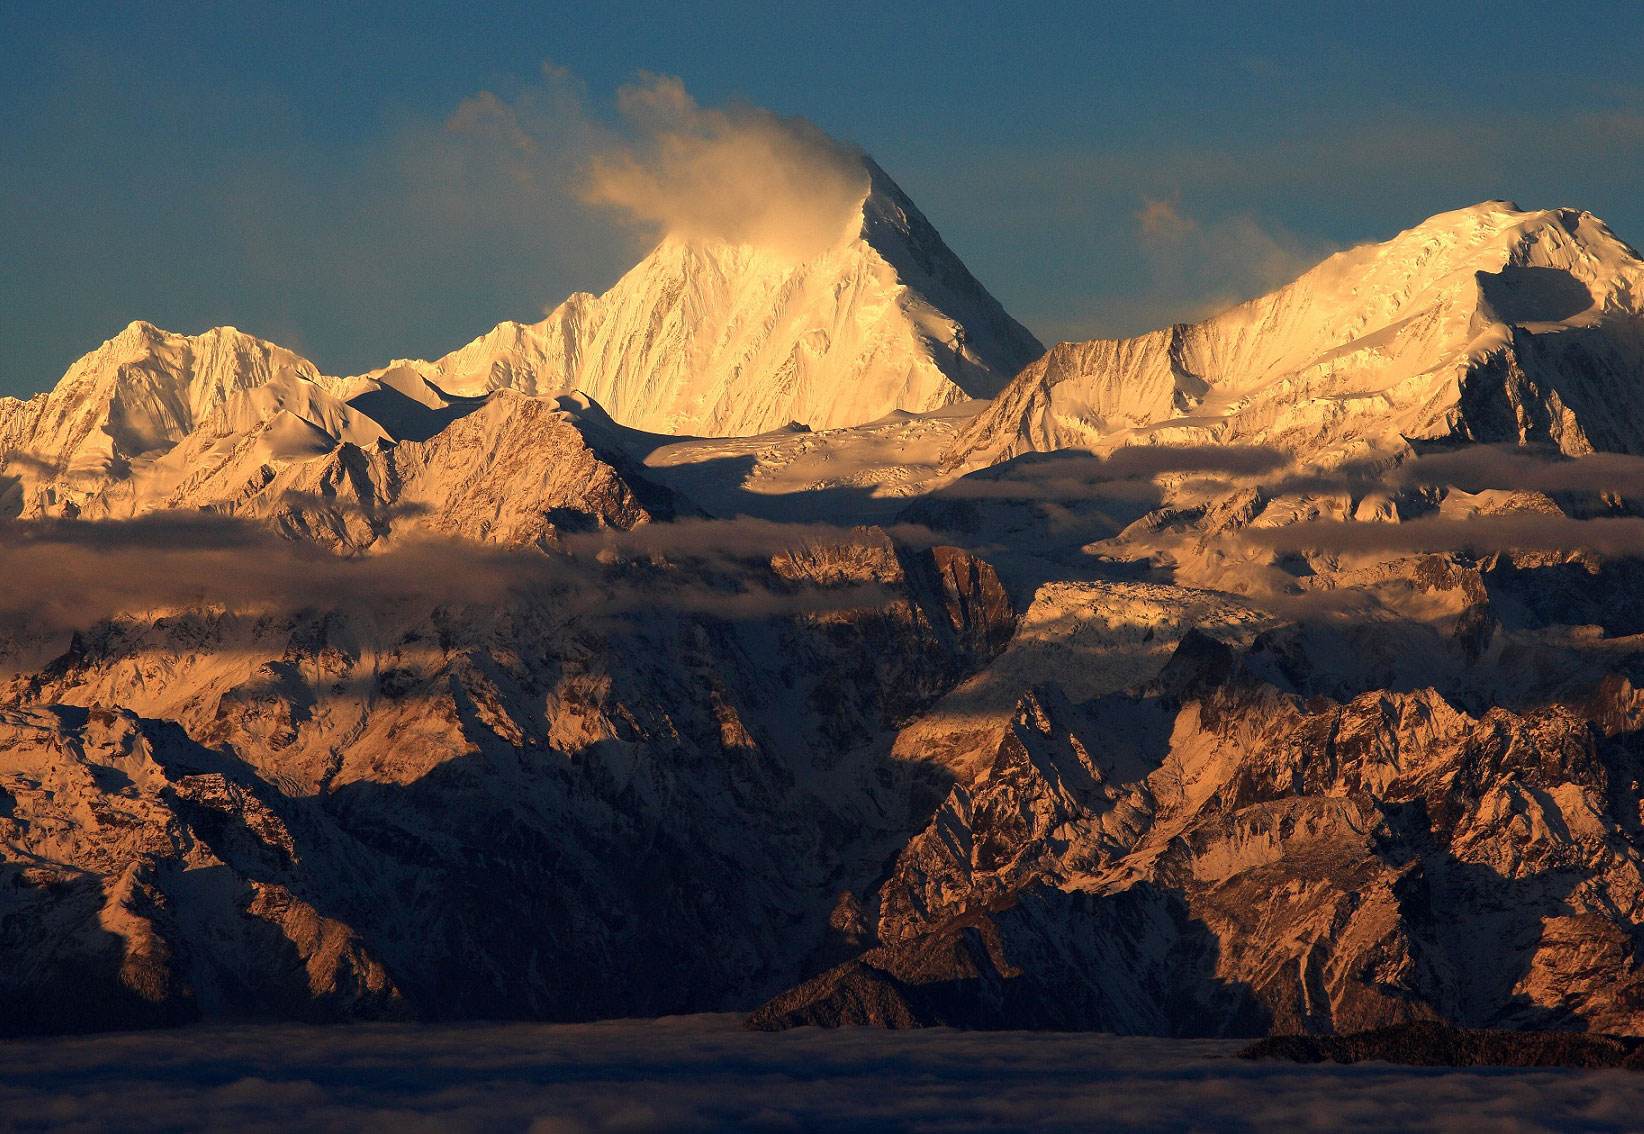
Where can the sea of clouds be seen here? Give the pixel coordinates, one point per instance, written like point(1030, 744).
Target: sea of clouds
point(707, 1073)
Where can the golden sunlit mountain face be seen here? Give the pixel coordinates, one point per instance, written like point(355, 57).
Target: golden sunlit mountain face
point(759, 649)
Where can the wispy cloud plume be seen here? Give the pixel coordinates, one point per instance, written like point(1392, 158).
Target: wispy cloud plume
point(738, 174)
point(1201, 267)
point(1526, 469)
point(525, 193)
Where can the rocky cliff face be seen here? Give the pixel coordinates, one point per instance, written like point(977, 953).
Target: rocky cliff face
point(489, 810)
point(1211, 854)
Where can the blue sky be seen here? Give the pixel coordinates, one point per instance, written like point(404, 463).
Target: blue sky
point(295, 170)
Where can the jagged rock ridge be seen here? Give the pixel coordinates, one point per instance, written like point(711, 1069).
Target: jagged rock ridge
point(1214, 855)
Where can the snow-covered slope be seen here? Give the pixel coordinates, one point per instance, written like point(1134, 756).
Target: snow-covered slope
point(1485, 324)
point(288, 419)
point(137, 395)
point(727, 340)
point(506, 469)
point(222, 422)
point(857, 474)
point(514, 470)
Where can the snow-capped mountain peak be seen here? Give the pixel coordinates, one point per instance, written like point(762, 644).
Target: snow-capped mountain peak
point(700, 337)
point(723, 339)
point(1485, 323)
point(138, 394)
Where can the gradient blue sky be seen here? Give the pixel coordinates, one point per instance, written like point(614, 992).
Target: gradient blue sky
point(291, 169)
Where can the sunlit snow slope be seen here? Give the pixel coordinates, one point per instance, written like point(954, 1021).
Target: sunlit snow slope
point(727, 340)
point(1485, 324)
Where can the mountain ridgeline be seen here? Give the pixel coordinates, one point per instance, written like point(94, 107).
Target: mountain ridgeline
point(794, 635)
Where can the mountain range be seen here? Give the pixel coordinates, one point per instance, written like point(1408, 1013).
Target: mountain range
point(797, 636)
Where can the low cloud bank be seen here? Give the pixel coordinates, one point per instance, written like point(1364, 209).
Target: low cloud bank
point(1480, 535)
point(706, 1073)
point(1200, 267)
point(67, 574)
point(1073, 475)
point(1526, 468)
point(19, 460)
point(1480, 468)
point(1220, 468)
point(734, 540)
